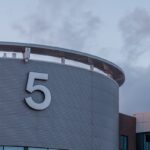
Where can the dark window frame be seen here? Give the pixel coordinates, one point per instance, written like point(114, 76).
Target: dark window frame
point(124, 142)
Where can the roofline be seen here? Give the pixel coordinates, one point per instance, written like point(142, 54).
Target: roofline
point(104, 65)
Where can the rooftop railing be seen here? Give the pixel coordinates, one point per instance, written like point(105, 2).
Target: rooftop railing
point(64, 56)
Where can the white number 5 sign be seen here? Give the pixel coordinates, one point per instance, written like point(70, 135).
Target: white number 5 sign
point(31, 88)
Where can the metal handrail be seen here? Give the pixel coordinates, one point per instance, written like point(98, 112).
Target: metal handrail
point(107, 67)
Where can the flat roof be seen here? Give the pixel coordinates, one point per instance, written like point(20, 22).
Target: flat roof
point(106, 66)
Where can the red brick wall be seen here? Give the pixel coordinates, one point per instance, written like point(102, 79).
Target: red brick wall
point(127, 127)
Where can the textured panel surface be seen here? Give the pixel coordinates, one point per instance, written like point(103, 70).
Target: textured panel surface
point(83, 114)
point(142, 122)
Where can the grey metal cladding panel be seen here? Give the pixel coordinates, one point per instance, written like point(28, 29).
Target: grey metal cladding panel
point(102, 144)
point(106, 84)
point(81, 108)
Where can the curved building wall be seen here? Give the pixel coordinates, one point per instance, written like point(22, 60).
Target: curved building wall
point(83, 114)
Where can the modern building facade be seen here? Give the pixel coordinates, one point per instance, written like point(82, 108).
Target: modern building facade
point(127, 132)
point(134, 131)
point(55, 105)
point(143, 130)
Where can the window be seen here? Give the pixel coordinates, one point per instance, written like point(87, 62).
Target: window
point(24, 148)
point(143, 141)
point(37, 148)
point(147, 136)
point(1, 147)
point(124, 142)
point(13, 148)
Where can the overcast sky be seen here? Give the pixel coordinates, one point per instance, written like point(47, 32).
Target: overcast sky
point(112, 29)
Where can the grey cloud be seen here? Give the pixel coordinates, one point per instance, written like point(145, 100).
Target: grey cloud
point(135, 29)
point(136, 26)
point(37, 26)
point(78, 32)
point(135, 94)
point(61, 23)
